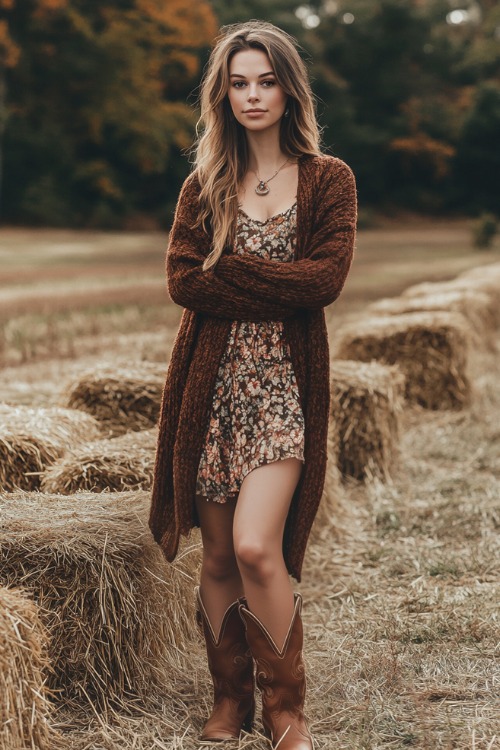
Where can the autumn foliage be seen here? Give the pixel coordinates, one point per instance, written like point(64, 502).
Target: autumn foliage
point(96, 99)
point(98, 102)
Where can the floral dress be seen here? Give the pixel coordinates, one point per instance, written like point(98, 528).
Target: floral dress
point(256, 415)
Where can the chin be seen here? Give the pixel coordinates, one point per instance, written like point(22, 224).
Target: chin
point(256, 126)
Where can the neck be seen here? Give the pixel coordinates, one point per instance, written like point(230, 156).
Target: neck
point(265, 155)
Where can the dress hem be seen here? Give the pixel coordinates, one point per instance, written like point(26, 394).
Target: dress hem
point(234, 494)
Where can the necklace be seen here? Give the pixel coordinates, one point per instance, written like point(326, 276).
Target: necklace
point(262, 188)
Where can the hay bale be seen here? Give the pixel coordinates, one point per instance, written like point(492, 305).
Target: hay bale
point(122, 463)
point(431, 349)
point(486, 279)
point(489, 271)
point(476, 306)
point(120, 617)
point(25, 707)
point(486, 285)
point(364, 449)
point(122, 399)
point(366, 401)
point(332, 505)
point(31, 439)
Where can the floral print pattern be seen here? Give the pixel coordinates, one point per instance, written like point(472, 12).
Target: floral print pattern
point(256, 414)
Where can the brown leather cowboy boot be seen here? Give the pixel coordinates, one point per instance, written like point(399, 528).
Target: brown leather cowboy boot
point(231, 667)
point(281, 680)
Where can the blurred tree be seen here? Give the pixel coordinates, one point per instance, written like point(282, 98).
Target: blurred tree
point(9, 56)
point(96, 104)
point(379, 79)
point(477, 166)
point(280, 12)
point(399, 81)
point(97, 100)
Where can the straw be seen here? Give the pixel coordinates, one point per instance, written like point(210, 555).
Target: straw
point(366, 401)
point(122, 399)
point(31, 439)
point(120, 617)
point(431, 349)
point(25, 707)
point(122, 463)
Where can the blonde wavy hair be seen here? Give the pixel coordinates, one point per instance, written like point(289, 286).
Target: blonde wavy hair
point(220, 150)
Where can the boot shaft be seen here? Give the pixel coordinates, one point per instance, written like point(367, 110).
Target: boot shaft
point(228, 654)
point(280, 673)
point(232, 670)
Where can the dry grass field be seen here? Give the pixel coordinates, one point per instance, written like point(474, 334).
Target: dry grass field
point(61, 286)
point(401, 588)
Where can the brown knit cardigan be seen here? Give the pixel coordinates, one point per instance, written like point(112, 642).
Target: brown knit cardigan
point(245, 287)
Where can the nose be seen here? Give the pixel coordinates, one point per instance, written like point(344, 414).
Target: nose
point(252, 92)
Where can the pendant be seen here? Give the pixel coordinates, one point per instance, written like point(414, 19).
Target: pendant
point(262, 188)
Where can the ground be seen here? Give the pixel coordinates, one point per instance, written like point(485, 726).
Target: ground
point(401, 591)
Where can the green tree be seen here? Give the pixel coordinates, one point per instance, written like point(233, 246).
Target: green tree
point(374, 76)
point(97, 100)
point(280, 12)
point(477, 166)
point(97, 105)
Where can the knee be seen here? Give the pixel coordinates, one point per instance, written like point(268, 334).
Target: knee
point(254, 559)
point(218, 563)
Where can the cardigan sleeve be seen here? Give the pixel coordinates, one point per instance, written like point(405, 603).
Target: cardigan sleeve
point(204, 291)
point(317, 280)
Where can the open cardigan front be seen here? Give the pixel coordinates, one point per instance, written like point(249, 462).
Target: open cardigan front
point(246, 287)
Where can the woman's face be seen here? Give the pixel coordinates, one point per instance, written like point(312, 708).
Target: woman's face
point(253, 85)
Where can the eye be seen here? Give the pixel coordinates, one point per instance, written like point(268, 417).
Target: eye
point(268, 80)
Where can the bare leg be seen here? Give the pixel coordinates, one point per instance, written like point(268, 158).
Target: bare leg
point(220, 580)
point(259, 523)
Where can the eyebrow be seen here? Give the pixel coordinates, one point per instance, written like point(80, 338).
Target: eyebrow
point(238, 75)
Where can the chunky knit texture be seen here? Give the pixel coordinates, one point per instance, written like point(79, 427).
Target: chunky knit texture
point(242, 287)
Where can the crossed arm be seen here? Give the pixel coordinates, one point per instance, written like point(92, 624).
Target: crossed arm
point(251, 288)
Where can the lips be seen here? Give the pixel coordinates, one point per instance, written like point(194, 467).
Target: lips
point(249, 111)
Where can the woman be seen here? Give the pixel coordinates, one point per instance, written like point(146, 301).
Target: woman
point(262, 241)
